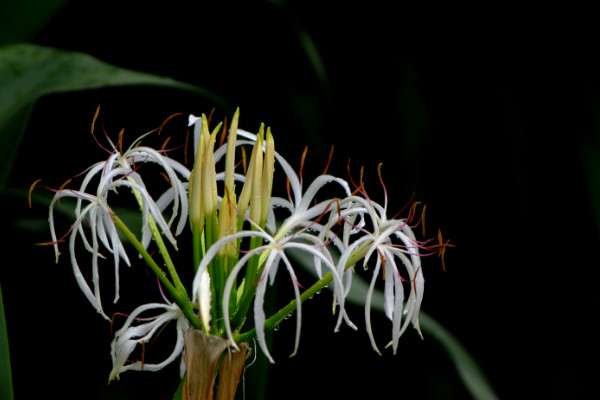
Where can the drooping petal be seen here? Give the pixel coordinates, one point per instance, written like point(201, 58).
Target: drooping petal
point(129, 336)
point(205, 300)
point(368, 300)
point(259, 312)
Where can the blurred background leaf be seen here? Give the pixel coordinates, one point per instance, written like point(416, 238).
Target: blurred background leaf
point(469, 371)
point(6, 388)
point(28, 72)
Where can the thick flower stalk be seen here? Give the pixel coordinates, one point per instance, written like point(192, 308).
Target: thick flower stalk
point(243, 229)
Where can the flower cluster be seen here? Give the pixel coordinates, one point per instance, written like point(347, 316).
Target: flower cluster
point(242, 232)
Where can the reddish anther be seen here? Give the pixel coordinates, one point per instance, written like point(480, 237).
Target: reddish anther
point(167, 120)
point(328, 160)
point(162, 149)
point(185, 148)
point(302, 162)
point(94, 119)
point(223, 132)
point(31, 190)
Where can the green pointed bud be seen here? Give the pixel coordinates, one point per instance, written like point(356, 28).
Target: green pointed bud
point(257, 171)
point(195, 185)
point(267, 177)
point(244, 199)
point(227, 223)
point(230, 155)
point(209, 174)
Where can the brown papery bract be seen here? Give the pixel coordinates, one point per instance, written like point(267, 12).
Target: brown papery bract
point(202, 353)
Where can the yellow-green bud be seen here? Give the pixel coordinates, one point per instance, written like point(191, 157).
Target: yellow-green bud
point(257, 171)
point(267, 177)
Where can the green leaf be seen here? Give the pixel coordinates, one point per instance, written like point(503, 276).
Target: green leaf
point(472, 376)
point(28, 72)
point(177, 395)
point(6, 389)
point(468, 370)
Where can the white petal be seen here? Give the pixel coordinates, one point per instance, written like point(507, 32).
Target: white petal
point(205, 300)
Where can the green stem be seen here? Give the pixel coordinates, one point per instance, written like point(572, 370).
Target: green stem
point(165, 255)
point(197, 245)
point(161, 244)
point(215, 270)
point(180, 298)
point(272, 322)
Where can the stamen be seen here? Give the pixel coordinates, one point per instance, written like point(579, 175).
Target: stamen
point(362, 182)
point(185, 147)
point(358, 189)
point(411, 214)
point(404, 207)
point(302, 163)
point(166, 178)
point(381, 179)
point(143, 353)
point(120, 141)
point(49, 243)
point(441, 246)
point(112, 320)
point(423, 218)
point(210, 117)
point(162, 149)
point(105, 134)
point(95, 117)
point(244, 160)
point(31, 190)
point(351, 179)
point(224, 132)
point(65, 184)
point(61, 188)
point(328, 160)
point(167, 120)
point(414, 281)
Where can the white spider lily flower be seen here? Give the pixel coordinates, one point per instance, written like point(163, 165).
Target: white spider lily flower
point(139, 330)
point(273, 252)
point(97, 214)
point(380, 243)
point(120, 170)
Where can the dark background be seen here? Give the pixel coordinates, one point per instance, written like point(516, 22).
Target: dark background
point(488, 116)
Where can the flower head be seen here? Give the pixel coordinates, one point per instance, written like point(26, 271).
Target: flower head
point(255, 206)
point(393, 244)
point(139, 330)
point(93, 210)
point(241, 236)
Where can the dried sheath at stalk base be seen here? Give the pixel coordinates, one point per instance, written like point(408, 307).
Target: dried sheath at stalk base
point(231, 370)
point(202, 353)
